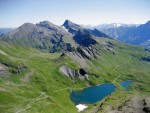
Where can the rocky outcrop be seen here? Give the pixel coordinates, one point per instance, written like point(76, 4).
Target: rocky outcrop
point(82, 54)
point(68, 71)
point(137, 104)
point(4, 70)
point(11, 67)
point(78, 58)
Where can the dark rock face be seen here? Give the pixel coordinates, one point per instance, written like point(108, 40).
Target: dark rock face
point(82, 72)
point(84, 39)
point(147, 59)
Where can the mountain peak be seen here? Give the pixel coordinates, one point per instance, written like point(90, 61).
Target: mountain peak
point(72, 27)
point(46, 24)
point(27, 24)
point(51, 26)
point(68, 22)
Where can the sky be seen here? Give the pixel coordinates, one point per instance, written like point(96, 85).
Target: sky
point(14, 13)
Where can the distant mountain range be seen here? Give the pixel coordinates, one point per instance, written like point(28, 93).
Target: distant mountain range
point(5, 30)
point(139, 35)
point(129, 33)
point(107, 26)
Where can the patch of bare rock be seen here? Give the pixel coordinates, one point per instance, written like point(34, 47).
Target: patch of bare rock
point(137, 104)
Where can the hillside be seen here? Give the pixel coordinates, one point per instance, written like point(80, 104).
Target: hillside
point(33, 81)
point(139, 35)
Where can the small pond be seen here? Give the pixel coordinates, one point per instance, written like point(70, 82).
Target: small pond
point(125, 85)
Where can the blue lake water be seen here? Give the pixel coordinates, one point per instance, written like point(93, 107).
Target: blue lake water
point(92, 94)
point(125, 84)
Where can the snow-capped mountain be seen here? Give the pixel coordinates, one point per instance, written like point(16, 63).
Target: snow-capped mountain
point(112, 25)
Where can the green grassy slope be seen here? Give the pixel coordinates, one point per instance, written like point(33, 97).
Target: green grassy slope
point(17, 92)
point(42, 88)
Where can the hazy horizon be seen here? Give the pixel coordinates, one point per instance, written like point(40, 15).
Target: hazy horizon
point(86, 12)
